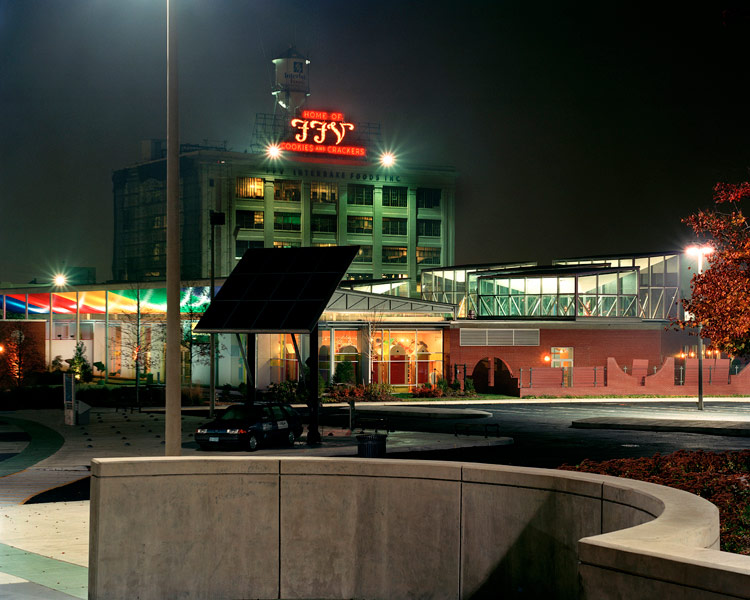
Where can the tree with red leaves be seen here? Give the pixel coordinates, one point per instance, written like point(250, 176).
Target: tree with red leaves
point(720, 299)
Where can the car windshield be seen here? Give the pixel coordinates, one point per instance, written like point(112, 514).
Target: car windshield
point(242, 413)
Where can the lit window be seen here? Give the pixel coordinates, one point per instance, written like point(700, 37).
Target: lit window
point(249, 219)
point(249, 187)
point(428, 256)
point(395, 254)
point(358, 224)
point(286, 221)
point(286, 191)
point(324, 192)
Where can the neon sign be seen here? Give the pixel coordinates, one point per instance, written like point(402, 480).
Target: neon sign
point(322, 132)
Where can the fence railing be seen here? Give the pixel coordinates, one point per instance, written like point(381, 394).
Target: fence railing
point(563, 377)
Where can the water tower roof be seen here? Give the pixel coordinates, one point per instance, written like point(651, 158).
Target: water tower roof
point(291, 53)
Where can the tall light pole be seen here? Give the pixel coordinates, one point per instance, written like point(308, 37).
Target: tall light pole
point(700, 252)
point(215, 218)
point(172, 421)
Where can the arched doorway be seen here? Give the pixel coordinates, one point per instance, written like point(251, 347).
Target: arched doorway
point(480, 375)
point(503, 381)
point(399, 365)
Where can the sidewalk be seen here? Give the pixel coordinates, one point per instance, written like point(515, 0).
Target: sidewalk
point(44, 547)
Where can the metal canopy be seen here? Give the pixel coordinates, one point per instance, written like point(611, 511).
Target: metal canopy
point(344, 300)
point(277, 290)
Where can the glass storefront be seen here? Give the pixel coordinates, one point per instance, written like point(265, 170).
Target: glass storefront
point(406, 358)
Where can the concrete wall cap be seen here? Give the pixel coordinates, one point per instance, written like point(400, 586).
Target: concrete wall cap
point(368, 467)
point(584, 484)
point(179, 465)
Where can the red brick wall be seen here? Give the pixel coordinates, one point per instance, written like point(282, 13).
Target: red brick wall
point(591, 348)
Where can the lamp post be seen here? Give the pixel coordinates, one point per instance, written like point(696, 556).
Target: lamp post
point(172, 420)
point(215, 218)
point(700, 252)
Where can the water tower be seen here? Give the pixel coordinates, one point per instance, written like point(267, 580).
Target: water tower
point(292, 85)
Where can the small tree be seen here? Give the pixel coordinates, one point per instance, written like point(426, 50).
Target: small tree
point(720, 300)
point(79, 364)
point(21, 353)
point(344, 372)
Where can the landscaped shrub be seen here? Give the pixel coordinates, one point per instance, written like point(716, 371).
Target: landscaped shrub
point(428, 391)
point(721, 478)
point(372, 392)
point(344, 372)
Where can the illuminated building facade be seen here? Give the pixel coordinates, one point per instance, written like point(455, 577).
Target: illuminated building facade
point(399, 341)
point(584, 326)
point(320, 185)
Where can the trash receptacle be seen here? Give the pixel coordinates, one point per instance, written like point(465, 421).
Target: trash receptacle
point(371, 445)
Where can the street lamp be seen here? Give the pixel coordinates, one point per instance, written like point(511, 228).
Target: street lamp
point(215, 218)
point(700, 252)
point(173, 408)
point(387, 159)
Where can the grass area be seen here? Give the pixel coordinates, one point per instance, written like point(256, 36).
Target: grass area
point(719, 477)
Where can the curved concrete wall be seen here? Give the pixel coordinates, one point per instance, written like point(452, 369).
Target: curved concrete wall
point(240, 527)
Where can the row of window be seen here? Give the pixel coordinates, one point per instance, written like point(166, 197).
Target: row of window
point(319, 223)
point(323, 192)
point(389, 255)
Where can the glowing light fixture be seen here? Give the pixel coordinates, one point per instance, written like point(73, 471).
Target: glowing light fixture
point(700, 252)
point(387, 159)
point(2, 348)
point(273, 151)
point(60, 279)
point(547, 358)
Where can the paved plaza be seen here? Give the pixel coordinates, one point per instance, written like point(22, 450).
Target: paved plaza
point(44, 547)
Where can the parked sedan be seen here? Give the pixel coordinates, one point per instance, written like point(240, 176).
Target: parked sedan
point(244, 426)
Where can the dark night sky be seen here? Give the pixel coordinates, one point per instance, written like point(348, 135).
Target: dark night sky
point(577, 128)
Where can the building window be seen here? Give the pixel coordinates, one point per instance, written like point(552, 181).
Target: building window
point(428, 256)
point(358, 276)
point(428, 198)
point(393, 226)
point(394, 255)
point(323, 223)
point(324, 192)
point(287, 244)
point(249, 219)
point(323, 245)
point(428, 227)
point(364, 255)
point(360, 195)
point(286, 191)
point(249, 187)
point(394, 196)
point(241, 246)
point(286, 221)
point(358, 224)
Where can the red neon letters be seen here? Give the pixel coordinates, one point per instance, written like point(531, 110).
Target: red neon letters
point(322, 132)
point(321, 115)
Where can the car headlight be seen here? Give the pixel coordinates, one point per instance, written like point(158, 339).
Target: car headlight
point(201, 431)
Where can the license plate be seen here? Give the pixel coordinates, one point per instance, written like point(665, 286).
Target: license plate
point(213, 439)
